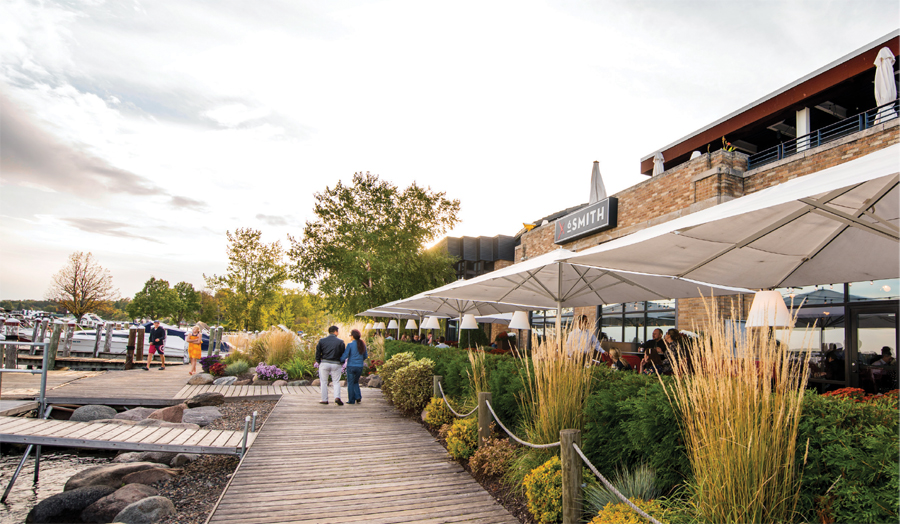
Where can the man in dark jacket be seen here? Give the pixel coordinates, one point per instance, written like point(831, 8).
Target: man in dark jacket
point(157, 345)
point(328, 357)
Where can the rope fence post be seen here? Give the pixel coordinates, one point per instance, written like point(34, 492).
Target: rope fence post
point(54, 344)
point(436, 386)
point(571, 475)
point(484, 418)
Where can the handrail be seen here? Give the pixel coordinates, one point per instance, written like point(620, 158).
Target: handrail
point(517, 439)
point(611, 487)
point(444, 398)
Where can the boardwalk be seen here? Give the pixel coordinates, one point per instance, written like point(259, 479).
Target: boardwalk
point(135, 387)
point(365, 464)
point(64, 433)
point(27, 386)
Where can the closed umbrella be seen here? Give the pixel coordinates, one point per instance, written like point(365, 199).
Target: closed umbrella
point(885, 86)
point(658, 163)
point(598, 190)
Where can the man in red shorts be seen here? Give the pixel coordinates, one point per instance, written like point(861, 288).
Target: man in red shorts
point(157, 345)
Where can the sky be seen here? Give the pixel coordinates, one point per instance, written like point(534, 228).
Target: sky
point(142, 131)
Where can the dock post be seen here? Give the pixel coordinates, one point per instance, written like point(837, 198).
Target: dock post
point(54, 345)
point(70, 335)
point(244, 441)
point(129, 349)
point(98, 333)
point(571, 475)
point(253, 427)
point(107, 342)
point(484, 418)
point(436, 386)
point(141, 335)
point(12, 357)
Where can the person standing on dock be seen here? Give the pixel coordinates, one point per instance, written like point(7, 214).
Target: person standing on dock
point(157, 345)
point(355, 356)
point(195, 347)
point(328, 357)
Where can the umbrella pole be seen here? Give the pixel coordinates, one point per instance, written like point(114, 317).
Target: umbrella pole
point(559, 306)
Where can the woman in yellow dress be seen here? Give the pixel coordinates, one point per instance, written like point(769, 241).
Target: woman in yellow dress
point(195, 343)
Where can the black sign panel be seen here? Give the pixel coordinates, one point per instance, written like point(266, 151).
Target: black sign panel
point(586, 221)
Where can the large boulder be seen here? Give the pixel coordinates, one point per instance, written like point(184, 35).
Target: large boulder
point(169, 414)
point(260, 382)
point(146, 511)
point(364, 381)
point(205, 399)
point(298, 383)
point(244, 382)
point(135, 414)
point(280, 383)
point(201, 379)
point(92, 412)
point(183, 459)
point(158, 457)
point(375, 381)
point(150, 476)
point(224, 381)
point(108, 475)
point(316, 382)
point(69, 502)
point(201, 416)
point(106, 509)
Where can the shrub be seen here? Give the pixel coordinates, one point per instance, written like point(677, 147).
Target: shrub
point(473, 338)
point(237, 368)
point(206, 362)
point(543, 488)
point(851, 470)
point(462, 438)
point(639, 483)
point(374, 364)
point(621, 513)
point(438, 413)
point(217, 369)
point(236, 355)
point(265, 372)
point(412, 385)
point(400, 360)
point(493, 458)
point(300, 366)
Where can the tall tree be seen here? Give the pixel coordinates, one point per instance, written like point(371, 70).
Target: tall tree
point(155, 301)
point(82, 285)
point(188, 302)
point(366, 246)
point(256, 271)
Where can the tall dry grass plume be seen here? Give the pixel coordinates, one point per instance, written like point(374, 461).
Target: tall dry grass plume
point(739, 397)
point(239, 341)
point(478, 373)
point(557, 384)
point(274, 347)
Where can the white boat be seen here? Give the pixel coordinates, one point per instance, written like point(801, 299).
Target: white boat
point(84, 340)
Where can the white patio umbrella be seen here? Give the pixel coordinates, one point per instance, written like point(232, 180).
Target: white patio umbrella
point(598, 190)
point(885, 86)
point(658, 163)
point(837, 225)
point(398, 314)
point(550, 282)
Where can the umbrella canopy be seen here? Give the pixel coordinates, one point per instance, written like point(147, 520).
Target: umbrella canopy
point(837, 225)
point(598, 190)
point(885, 87)
point(658, 163)
point(397, 314)
point(503, 318)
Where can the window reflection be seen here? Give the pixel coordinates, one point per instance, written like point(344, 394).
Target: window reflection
point(888, 289)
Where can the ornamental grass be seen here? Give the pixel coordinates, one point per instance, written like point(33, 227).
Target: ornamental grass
point(739, 396)
point(478, 374)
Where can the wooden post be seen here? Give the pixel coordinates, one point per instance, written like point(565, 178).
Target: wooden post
point(97, 335)
point(219, 331)
point(107, 342)
point(141, 335)
point(436, 386)
point(70, 335)
point(571, 475)
point(54, 345)
point(484, 418)
point(12, 357)
point(129, 349)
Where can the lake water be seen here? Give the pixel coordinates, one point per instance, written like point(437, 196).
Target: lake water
point(56, 468)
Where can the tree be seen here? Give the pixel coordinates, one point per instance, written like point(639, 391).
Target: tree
point(155, 301)
point(256, 271)
point(188, 302)
point(366, 246)
point(81, 285)
point(210, 309)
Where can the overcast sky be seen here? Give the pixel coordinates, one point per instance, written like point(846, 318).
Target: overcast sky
point(143, 130)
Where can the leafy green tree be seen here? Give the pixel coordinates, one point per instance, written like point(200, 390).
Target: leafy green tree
point(365, 247)
point(210, 306)
point(82, 285)
point(188, 302)
point(256, 271)
point(155, 301)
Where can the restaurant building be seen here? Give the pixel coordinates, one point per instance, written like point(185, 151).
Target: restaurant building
point(824, 119)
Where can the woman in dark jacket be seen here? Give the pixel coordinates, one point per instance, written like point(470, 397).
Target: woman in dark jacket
point(355, 357)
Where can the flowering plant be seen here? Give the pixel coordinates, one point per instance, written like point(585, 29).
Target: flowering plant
point(208, 361)
point(217, 369)
point(373, 366)
point(265, 372)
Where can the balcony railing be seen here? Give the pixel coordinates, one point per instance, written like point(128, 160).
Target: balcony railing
point(845, 127)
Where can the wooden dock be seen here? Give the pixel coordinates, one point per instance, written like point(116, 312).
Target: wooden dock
point(254, 392)
point(90, 363)
point(313, 463)
point(134, 387)
point(14, 407)
point(19, 386)
point(64, 433)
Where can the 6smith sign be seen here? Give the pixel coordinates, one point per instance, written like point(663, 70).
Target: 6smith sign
point(586, 221)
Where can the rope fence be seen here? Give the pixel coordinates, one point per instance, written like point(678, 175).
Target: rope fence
point(444, 398)
point(517, 439)
point(612, 488)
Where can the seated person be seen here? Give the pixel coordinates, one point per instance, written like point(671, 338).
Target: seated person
point(442, 343)
point(886, 358)
point(618, 363)
point(416, 340)
point(428, 340)
point(404, 338)
point(580, 339)
point(389, 337)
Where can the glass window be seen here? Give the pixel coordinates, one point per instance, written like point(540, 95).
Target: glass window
point(812, 295)
point(660, 304)
point(612, 326)
point(663, 320)
point(875, 290)
point(821, 331)
point(634, 328)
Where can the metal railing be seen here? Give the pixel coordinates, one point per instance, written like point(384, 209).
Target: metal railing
point(829, 133)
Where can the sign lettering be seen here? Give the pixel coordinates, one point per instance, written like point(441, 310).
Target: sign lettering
point(587, 221)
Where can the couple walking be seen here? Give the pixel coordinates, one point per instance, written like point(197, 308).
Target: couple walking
point(331, 355)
